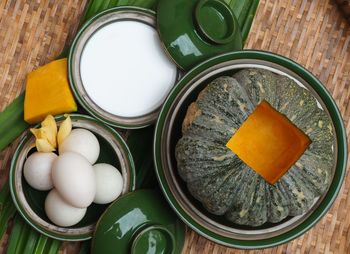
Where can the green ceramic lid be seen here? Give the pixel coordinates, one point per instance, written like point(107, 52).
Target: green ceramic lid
point(139, 222)
point(193, 31)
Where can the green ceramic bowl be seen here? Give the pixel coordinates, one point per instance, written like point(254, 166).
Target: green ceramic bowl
point(30, 202)
point(139, 222)
point(168, 132)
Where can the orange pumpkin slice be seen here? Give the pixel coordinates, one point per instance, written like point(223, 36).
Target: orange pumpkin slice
point(48, 92)
point(268, 142)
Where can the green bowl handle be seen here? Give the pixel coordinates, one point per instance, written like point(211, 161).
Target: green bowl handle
point(153, 239)
point(215, 22)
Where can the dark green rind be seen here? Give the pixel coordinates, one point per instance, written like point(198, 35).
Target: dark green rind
point(252, 209)
point(227, 191)
point(296, 103)
point(277, 207)
point(335, 185)
point(221, 108)
point(299, 197)
point(260, 85)
point(203, 159)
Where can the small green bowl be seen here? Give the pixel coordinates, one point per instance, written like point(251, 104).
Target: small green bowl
point(30, 202)
point(168, 132)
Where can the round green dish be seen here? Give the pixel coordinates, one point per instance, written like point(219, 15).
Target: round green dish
point(168, 132)
point(193, 31)
point(139, 222)
point(30, 202)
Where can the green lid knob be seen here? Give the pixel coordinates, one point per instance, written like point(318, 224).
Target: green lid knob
point(153, 240)
point(215, 21)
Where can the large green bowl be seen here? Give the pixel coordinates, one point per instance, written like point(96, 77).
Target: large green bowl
point(30, 202)
point(168, 132)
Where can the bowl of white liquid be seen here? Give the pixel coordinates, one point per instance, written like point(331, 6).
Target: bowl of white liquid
point(118, 70)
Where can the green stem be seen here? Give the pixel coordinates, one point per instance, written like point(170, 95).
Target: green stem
point(249, 20)
point(244, 12)
point(12, 122)
point(18, 237)
point(52, 246)
point(7, 208)
point(85, 247)
point(40, 246)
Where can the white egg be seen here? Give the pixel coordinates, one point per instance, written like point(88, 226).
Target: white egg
point(83, 142)
point(74, 178)
point(109, 183)
point(60, 212)
point(37, 170)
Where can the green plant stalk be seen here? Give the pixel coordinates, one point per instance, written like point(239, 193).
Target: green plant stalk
point(24, 239)
point(244, 12)
point(237, 6)
point(249, 20)
point(85, 247)
point(12, 122)
point(51, 247)
point(4, 194)
point(46, 245)
point(31, 240)
point(6, 215)
point(19, 236)
point(7, 208)
point(40, 245)
point(139, 142)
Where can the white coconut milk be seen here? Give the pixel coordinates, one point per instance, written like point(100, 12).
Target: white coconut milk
point(124, 69)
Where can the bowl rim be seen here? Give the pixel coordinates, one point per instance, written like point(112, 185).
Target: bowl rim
point(89, 28)
point(26, 137)
point(340, 137)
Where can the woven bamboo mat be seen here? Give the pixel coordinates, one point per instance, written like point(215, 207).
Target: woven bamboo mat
point(311, 32)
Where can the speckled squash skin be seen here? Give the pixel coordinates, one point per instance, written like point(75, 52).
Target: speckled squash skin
point(221, 181)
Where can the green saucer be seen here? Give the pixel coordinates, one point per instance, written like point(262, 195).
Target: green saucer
point(194, 30)
point(139, 222)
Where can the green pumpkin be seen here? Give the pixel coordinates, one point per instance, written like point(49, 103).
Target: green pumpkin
point(223, 183)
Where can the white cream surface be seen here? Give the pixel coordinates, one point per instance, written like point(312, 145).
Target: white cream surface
point(124, 69)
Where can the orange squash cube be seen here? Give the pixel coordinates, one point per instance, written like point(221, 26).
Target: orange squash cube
point(48, 92)
point(268, 142)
